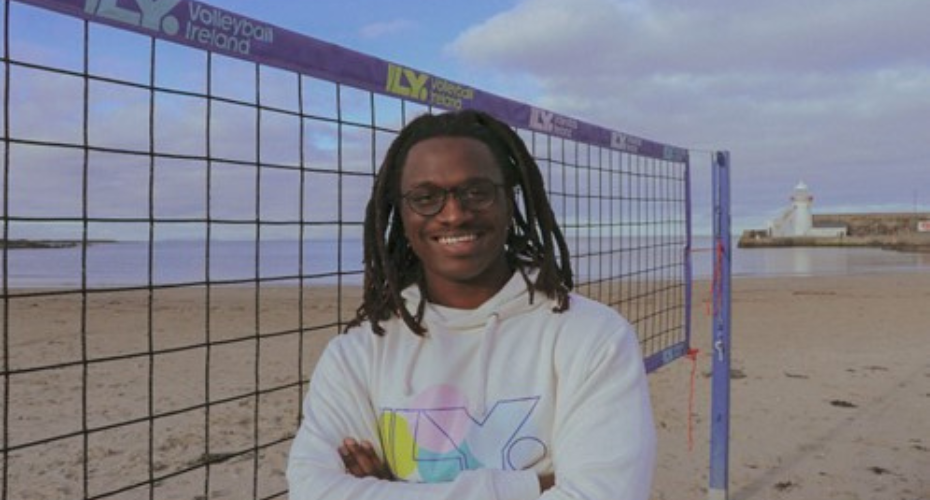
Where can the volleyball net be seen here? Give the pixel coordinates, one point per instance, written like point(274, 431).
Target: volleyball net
point(183, 194)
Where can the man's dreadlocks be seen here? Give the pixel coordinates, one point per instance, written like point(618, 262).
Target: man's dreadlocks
point(534, 234)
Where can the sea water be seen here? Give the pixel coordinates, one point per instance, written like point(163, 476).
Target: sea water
point(281, 262)
point(137, 263)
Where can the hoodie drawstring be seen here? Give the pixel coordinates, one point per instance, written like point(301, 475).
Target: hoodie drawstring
point(484, 359)
point(408, 377)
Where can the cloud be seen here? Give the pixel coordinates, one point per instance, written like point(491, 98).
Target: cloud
point(836, 92)
point(676, 36)
point(385, 28)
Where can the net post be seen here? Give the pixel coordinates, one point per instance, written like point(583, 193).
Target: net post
point(688, 254)
point(720, 398)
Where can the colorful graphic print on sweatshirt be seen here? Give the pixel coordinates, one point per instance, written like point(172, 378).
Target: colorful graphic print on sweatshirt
point(436, 437)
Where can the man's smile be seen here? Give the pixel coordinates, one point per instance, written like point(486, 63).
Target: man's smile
point(459, 238)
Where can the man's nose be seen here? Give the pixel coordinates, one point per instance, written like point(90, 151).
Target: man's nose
point(452, 210)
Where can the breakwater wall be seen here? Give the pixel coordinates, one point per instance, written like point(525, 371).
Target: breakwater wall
point(874, 224)
point(895, 231)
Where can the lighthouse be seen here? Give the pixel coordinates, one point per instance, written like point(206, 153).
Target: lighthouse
point(795, 221)
point(801, 201)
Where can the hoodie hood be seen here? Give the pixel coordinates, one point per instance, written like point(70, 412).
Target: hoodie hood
point(512, 299)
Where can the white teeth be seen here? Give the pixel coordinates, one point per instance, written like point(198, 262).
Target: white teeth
point(451, 240)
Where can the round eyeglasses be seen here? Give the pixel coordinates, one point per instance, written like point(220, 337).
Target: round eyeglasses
point(473, 196)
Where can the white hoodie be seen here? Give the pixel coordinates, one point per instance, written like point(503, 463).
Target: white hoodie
point(489, 400)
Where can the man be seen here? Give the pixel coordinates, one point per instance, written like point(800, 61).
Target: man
point(471, 370)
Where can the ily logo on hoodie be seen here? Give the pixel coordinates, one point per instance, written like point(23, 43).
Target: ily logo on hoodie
point(437, 437)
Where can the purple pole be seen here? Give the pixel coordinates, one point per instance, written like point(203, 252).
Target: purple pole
point(720, 398)
point(689, 269)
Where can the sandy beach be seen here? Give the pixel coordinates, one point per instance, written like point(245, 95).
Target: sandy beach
point(830, 391)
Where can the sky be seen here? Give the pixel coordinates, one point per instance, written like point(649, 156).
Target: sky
point(835, 93)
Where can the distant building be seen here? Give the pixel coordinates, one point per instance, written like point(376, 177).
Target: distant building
point(798, 220)
point(798, 226)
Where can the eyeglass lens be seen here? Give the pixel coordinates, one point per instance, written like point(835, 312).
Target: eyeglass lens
point(430, 200)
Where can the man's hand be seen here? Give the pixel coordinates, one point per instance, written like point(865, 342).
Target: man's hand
point(361, 460)
point(546, 481)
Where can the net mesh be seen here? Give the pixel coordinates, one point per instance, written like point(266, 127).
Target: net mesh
point(182, 236)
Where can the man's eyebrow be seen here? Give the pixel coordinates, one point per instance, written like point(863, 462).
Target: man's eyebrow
point(463, 183)
point(424, 184)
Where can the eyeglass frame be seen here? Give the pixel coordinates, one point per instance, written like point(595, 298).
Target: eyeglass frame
point(457, 192)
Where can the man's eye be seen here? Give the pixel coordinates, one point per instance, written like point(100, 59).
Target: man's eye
point(476, 192)
point(424, 198)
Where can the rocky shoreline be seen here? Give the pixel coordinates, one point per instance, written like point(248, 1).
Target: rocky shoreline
point(901, 243)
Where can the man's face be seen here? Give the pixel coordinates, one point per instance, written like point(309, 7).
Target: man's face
point(457, 246)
